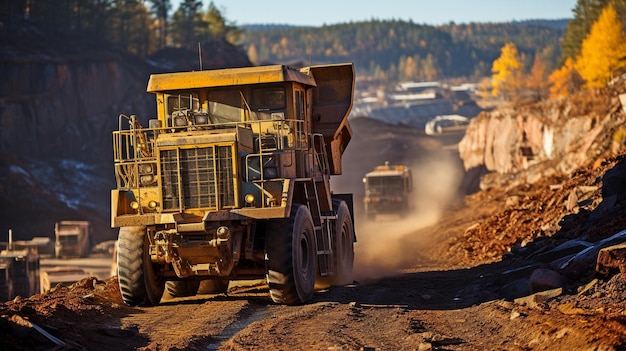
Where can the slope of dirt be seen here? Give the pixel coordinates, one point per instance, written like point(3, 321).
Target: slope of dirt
point(451, 276)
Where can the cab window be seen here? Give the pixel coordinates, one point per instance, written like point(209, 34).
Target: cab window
point(179, 102)
point(300, 105)
point(264, 99)
point(225, 105)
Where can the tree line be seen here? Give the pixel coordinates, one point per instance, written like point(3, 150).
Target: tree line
point(388, 50)
point(543, 58)
point(593, 54)
point(138, 26)
point(402, 50)
point(530, 59)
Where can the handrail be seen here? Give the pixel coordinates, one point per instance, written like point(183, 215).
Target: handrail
point(137, 142)
point(320, 155)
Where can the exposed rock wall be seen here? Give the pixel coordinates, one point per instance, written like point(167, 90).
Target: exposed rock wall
point(67, 110)
point(552, 136)
point(59, 103)
point(56, 118)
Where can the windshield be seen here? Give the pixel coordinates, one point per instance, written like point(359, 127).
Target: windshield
point(268, 99)
point(182, 102)
point(388, 185)
point(223, 106)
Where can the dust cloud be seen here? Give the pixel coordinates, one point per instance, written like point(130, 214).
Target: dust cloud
point(389, 244)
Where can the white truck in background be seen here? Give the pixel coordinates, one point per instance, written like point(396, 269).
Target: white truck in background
point(72, 239)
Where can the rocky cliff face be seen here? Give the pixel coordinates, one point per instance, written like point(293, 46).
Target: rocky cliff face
point(59, 102)
point(62, 108)
point(542, 139)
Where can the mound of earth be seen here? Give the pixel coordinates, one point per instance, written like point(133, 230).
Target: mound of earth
point(462, 279)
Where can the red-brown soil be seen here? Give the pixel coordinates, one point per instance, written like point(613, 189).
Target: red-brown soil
point(443, 278)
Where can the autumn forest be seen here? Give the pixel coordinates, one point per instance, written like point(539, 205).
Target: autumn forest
point(542, 58)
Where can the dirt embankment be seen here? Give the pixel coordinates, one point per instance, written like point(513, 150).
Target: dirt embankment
point(482, 271)
point(454, 275)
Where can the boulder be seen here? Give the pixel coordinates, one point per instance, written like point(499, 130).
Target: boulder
point(545, 279)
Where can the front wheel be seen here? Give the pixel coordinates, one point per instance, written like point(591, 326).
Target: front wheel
point(137, 276)
point(290, 257)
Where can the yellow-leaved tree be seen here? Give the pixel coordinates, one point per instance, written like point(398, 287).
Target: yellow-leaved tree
point(603, 50)
point(565, 80)
point(507, 72)
point(537, 81)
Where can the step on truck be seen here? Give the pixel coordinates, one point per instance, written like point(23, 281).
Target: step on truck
point(231, 181)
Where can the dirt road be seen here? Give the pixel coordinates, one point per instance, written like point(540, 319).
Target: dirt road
point(419, 304)
point(436, 280)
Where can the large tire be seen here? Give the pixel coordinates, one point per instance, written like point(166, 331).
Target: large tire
point(182, 288)
point(136, 274)
point(343, 247)
point(213, 286)
point(291, 257)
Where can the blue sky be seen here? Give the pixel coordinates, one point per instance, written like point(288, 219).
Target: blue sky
point(320, 12)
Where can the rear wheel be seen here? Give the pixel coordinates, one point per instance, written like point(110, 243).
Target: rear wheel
point(343, 248)
point(139, 282)
point(182, 288)
point(290, 257)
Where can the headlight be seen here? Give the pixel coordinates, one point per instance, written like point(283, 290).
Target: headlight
point(249, 198)
point(146, 168)
point(201, 119)
point(146, 179)
point(180, 121)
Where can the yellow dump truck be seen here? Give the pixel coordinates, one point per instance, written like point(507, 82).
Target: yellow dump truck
point(387, 190)
point(232, 181)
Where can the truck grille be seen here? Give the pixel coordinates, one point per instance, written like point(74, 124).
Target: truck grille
point(199, 178)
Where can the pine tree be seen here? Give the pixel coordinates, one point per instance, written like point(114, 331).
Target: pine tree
point(131, 26)
point(216, 24)
point(586, 14)
point(161, 9)
point(603, 51)
point(187, 23)
point(507, 72)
